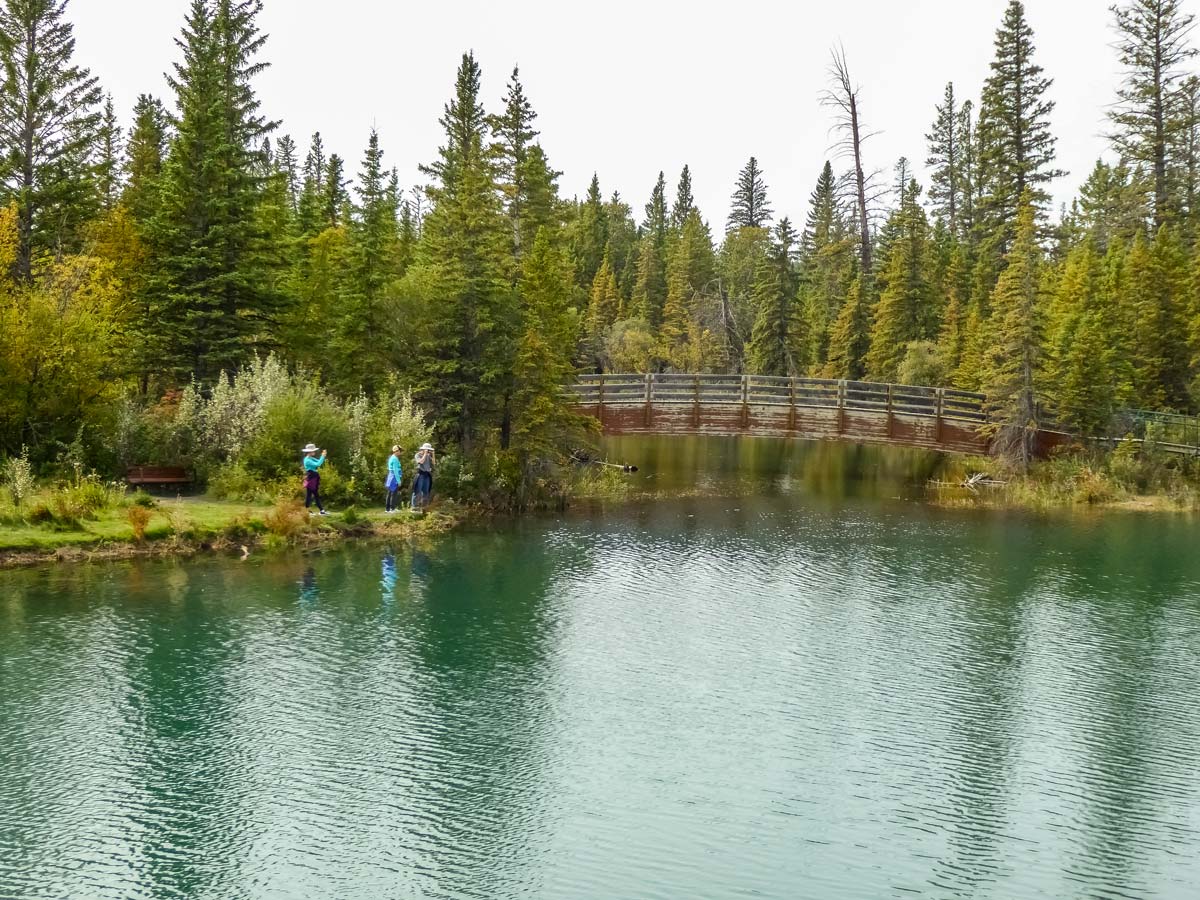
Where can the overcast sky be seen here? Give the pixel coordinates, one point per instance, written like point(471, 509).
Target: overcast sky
point(628, 88)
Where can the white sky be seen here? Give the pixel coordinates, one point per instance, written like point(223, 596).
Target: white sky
point(628, 88)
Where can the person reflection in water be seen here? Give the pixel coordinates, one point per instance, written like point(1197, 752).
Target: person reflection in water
point(308, 586)
point(387, 580)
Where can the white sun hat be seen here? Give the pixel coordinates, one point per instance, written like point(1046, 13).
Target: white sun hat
point(311, 448)
point(427, 446)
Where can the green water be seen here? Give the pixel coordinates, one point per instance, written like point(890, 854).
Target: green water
point(794, 682)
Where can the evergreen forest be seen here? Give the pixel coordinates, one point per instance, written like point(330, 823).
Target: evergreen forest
point(190, 284)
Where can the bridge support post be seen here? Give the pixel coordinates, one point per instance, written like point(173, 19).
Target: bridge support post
point(746, 402)
point(600, 409)
point(696, 402)
point(841, 407)
point(648, 411)
point(792, 403)
point(891, 419)
point(937, 417)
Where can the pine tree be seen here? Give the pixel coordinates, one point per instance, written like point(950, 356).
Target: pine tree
point(1016, 146)
point(466, 352)
point(1079, 349)
point(952, 336)
point(1112, 204)
point(144, 158)
point(777, 342)
point(689, 270)
point(310, 212)
point(684, 201)
point(750, 208)
point(1012, 356)
point(1155, 278)
point(968, 175)
point(49, 123)
point(335, 198)
point(621, 248)
point(649, 294)
point(541, 207)
point(362, 331)
point(109, 164)
point(826, 261)
point(903, 312)
point(212, 299)
point(948, 186)
point(591, 235)
point(545, 426)
point(1187, 162)
point(1153, 48)
point(850, 337)
point(524, 174)
point(286, 166)
point(604, 307)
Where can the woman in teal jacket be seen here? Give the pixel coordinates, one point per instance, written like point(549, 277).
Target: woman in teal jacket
point(394, 476)
point(312, 477)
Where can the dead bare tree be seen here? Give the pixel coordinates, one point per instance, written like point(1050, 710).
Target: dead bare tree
point(843, 98)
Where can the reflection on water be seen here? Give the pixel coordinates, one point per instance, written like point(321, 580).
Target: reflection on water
point(796, 690)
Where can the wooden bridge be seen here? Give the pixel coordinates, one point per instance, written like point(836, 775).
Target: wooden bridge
point(805, 408)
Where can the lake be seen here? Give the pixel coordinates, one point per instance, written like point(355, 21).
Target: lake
point(777, 674)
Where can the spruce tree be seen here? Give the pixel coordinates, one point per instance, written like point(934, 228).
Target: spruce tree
point(1079, 345)
point(144, 158)
point(335, 196)
point(109, 161)
point(50, 119)
point(1153, 48)
point(777, 342)
point(1016, 145)
point(524, 174)
point(604, 307)
point(750, 208)
point(362, 331)
point(310, 206)
point(545, 426)
point(968, 175)
point(1112, 204)
point(850, 337)
point(903, 312)
point(684, 201)
point(212, 298)
point(466, 350)
point(649, 294)
point(947, 185)
point(1012, 363)
point(287, 168)
point(591, 235)
point(689, 270)
point(826, 261)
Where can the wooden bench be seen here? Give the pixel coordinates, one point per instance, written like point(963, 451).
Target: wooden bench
point(157, 475)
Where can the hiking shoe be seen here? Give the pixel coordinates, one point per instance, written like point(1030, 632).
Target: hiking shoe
point(323, 513)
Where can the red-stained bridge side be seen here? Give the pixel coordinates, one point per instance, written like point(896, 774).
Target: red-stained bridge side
point(814, 409)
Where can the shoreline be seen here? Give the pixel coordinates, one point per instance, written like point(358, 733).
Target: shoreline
point(240, 527)
point(239, 534)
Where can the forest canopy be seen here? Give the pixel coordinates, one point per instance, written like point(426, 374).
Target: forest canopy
point(151, 258)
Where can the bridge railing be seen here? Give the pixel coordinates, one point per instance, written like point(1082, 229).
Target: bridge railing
point(764, 390)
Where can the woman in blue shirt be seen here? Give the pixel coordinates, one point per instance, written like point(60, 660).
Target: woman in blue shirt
point(312, 477)
point(394, 476)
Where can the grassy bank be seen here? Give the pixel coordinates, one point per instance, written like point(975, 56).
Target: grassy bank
point(1128, 478)
point(139, 526)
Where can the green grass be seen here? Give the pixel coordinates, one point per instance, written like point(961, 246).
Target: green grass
point(191, 519)
point(195, 515)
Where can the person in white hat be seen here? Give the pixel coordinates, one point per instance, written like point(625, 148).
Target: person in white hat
point(312, 477)
point(423, 482)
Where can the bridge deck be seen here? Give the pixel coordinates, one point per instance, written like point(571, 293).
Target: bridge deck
point(806, 408)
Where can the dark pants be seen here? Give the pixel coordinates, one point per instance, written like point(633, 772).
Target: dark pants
point(312, 493)
point(391, 502)
point(422, 488)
